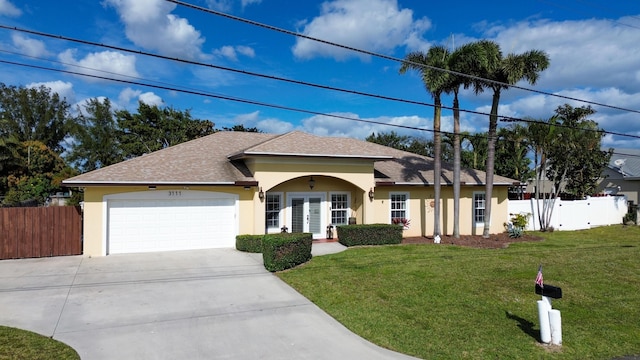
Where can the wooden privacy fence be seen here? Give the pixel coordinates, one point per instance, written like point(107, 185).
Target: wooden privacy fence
point(40, 232)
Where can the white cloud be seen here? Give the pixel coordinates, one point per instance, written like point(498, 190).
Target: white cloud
point(128, 94)
point(373, 25)
point(150, 24)
point(150, 98)
point(8, 9)
point(231, 52)
point(106, 64)
point(62, 88)
point(227, 5)
point(337, 126)
point(30, 47)
point(249, 2)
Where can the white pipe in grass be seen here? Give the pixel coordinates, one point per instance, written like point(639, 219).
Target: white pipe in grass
point(555, 322)
point(543, 316)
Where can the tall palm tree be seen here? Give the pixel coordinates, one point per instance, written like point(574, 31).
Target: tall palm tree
point(435, 80)
point(503, 72)
point(463, 60)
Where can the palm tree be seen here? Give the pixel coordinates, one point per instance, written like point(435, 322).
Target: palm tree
point(435, 80)
point(503, 72)
point(463, 60)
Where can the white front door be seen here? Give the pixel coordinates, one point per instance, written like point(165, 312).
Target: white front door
point(307, 213)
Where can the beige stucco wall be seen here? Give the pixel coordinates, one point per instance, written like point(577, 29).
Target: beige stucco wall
point(421, 210)
point(293, 174)
point(94, 216)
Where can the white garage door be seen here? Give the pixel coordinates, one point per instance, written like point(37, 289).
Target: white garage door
point(170, 220)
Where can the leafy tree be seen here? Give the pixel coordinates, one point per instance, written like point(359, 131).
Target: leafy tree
point(390, 139)
point(503, 72)
point(436, 82)
point(34, 114)
point(9, 159)
point(39, 175)
point(477, 154)
point(512, 153)
point(154, 128)
point(566, 152)
point(241, 128)
point(95, 136)
point(402, 142)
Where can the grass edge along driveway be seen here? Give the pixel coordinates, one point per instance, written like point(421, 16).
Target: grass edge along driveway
point(22, 344)
point(439, 301)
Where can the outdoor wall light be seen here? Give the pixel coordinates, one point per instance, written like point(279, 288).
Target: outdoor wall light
point(371, 194)
point(261, 194)
point(312, 183)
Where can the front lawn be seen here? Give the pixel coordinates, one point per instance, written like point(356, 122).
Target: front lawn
point(16, 344)
point(449, 302)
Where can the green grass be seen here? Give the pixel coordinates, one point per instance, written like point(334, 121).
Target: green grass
point(447, 302)
point(16, 344)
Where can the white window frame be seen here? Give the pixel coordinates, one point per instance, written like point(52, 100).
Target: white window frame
point(406, 204)
point(348, 208)
point(475, 207)
point(280, 196)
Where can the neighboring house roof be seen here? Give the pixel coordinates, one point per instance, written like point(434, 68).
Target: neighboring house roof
point(626, 162)
point(218, 159)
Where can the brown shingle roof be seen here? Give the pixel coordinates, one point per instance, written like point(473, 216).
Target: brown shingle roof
point(218, 159)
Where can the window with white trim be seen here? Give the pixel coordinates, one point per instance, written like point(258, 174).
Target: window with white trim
point(399, 203)
point(339, 208)
point(479, 203)
point(273, 206)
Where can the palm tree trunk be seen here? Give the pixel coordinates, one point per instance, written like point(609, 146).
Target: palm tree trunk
point(456, 166)
point(437, 164)
point(491, 154)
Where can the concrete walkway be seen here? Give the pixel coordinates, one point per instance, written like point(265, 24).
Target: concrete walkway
point(207, 304)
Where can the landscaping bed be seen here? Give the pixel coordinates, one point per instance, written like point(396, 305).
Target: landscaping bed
point(495, 241)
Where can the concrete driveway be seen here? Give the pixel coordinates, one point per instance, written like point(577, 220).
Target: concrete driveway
point(206, 304)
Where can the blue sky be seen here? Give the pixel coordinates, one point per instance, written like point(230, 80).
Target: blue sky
point(592, 45)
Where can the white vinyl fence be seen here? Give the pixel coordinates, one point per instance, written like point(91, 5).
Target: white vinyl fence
point(575, 214)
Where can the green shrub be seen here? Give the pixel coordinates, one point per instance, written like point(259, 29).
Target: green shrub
point(369, 234)
point(249, 243)
point(285, 250)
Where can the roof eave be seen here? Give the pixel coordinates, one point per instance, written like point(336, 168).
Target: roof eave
point(245, 155)
point(80, 183)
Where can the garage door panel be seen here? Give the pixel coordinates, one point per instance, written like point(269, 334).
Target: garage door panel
point(144, 225)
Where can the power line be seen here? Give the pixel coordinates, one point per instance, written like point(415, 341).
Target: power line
point(172, 87)
point(272, 77)
point(387, 57)
point(217, 96)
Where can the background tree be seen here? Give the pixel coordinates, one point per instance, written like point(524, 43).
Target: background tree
point(567, 152)
point(40, 174)
point(9, 160)
point(512, 158)
point(95, 137)
point(436, 82)
point(34, 114)
point(242, 128)
point(154, 128)
point(577, 153)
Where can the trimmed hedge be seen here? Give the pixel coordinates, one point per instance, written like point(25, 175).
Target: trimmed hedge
point(369, 234)
point(249, 243)
point(285, 250)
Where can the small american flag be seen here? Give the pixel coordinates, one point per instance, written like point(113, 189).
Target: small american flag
point(539, 277)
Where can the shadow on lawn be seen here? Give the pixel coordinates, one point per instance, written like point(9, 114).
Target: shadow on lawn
point(525, 325)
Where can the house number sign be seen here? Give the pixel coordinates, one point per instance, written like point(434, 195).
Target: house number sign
point(174, 193)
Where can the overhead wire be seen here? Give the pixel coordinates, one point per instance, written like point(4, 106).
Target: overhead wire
point(387, 57)
point(272, 77)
